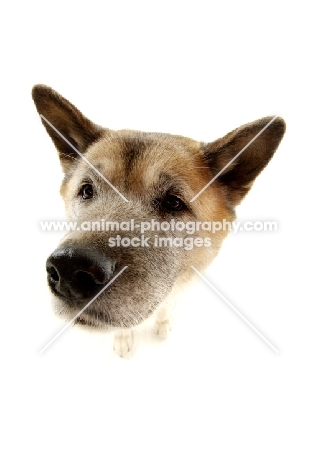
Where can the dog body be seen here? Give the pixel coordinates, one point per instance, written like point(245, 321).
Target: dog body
point(142, 180)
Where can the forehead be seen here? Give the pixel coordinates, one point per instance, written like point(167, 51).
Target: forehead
point(139, 159)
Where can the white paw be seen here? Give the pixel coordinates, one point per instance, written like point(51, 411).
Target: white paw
point(162, 329)
point(123, 342)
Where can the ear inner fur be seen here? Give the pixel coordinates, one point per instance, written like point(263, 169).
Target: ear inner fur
point(238, 177)
point(68, 120)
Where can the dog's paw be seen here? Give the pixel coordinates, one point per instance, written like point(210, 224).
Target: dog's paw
point(123, 342)
point(162, 328)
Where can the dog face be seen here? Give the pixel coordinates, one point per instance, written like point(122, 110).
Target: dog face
point(119, 176)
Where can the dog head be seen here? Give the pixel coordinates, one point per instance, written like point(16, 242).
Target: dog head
point(136, 178)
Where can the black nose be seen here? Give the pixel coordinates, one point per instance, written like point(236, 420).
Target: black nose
point(78, 273)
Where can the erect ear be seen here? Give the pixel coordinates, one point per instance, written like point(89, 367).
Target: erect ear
point(250, 148)
point(66, 119)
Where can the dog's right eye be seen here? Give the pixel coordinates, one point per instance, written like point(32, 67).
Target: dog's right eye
point(86, 192)
point(172, 203)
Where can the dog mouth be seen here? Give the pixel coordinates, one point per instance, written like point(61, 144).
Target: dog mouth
point(92, 318)
point(103, 313)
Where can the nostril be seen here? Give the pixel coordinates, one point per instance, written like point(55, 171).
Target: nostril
point(53, 273)
point(93, 275)
point(82, 277)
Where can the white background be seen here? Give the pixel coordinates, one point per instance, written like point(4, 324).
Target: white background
point(214, 394)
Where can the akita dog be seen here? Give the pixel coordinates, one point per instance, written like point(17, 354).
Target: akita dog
point(158, 193)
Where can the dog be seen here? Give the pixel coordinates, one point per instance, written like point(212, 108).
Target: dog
point(134, 180)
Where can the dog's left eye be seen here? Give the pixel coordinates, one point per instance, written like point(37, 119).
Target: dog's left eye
point(172, 203)
point(86, 192)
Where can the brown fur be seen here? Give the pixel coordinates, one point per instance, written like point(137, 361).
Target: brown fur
point(145, 168)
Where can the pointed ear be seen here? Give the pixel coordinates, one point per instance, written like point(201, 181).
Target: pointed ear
point(68, 121)
point(252, 146)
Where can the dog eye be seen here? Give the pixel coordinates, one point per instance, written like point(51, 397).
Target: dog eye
point(172, 203)
point(86, 192)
